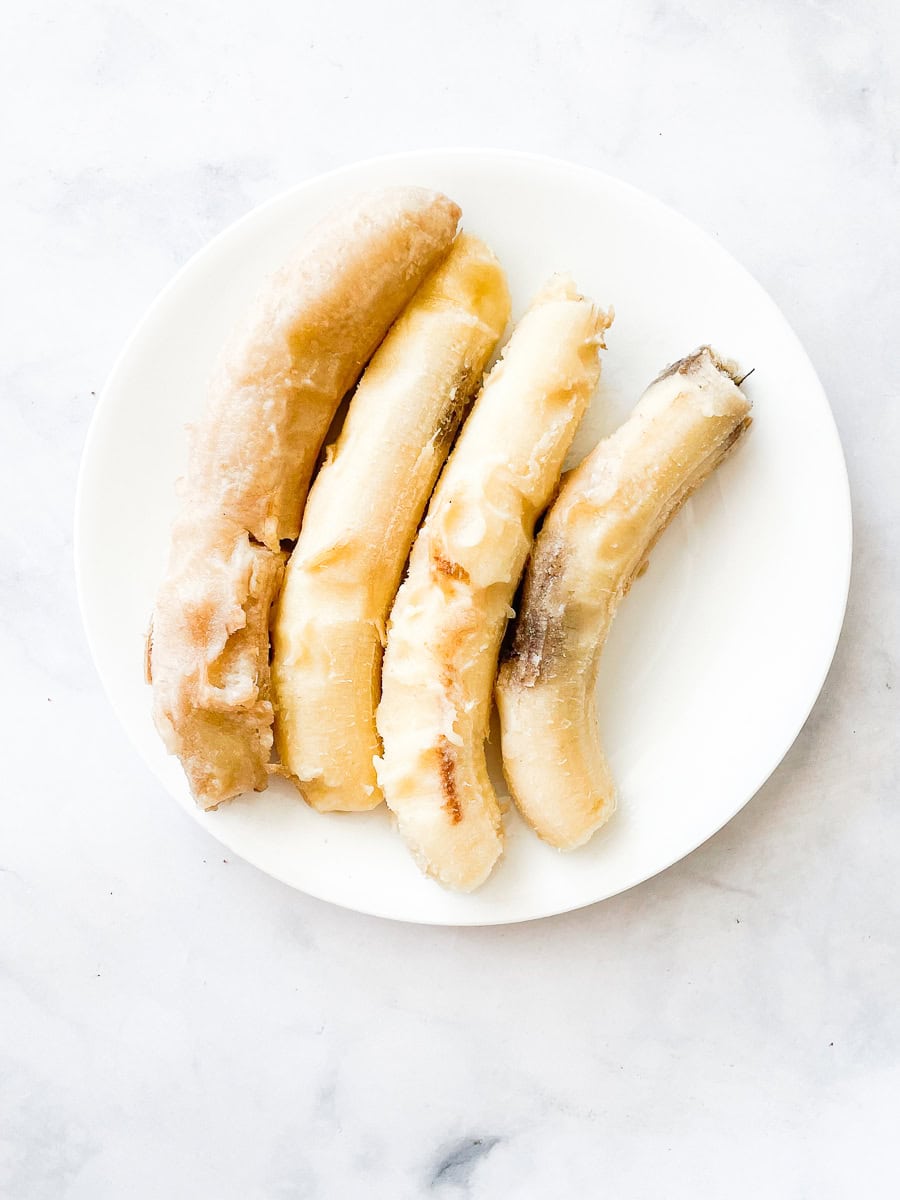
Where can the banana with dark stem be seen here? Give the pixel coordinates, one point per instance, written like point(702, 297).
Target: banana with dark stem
point(594, 542)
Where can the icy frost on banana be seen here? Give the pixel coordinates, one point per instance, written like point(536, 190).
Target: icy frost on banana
point(594, 542)
point(449, 615)
point(360, 520)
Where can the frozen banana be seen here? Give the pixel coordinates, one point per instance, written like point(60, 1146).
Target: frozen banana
point(594, 542)
point(448, 619)
point(360, 521)
point(314, 326)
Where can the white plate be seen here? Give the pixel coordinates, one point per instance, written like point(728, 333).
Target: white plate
point(718, 653)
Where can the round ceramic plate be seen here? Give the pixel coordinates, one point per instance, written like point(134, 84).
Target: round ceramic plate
point(718, 652)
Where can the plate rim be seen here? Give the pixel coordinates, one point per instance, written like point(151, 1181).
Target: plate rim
point(547, 161)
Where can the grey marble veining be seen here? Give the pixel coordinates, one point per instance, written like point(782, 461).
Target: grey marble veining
point(176, 1024)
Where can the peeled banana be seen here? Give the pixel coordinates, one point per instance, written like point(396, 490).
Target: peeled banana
point(594, 542)
point(315, 324)
point(360, 521)
point(448, 619)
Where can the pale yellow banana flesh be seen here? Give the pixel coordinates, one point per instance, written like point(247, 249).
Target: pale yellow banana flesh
point(448, 619)
point(594, 542)
point(270, 402)
point(360, 521)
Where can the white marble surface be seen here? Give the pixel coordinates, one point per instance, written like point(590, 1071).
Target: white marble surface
point(176, 1025)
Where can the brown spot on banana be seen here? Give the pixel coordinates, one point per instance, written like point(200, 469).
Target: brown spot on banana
point(451, 570)
point(447, 767)
point(536, 637)
point(148, 654)
point(459, 395)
